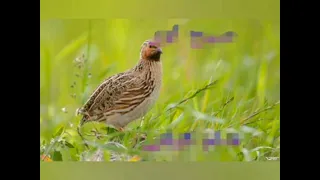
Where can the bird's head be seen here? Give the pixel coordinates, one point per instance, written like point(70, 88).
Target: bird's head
point(150, 50)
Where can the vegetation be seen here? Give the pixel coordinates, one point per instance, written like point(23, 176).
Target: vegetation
point(226, 87)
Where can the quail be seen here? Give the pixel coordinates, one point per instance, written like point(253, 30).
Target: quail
point(127, 96)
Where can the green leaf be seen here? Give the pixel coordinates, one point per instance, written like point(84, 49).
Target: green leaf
point(43, 142)
point(69, 145)
point(59, 132)
point(202, 116)
point(65, 155)
point(57, 156)
point(114, 146)
point(240, 156)
point(71, 47)
point(106, 156)
point(106, 71)
point(74, 154)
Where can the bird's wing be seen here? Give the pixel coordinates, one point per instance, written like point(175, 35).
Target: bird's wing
point(97, 92)
point(119, 94)
point(131, 96)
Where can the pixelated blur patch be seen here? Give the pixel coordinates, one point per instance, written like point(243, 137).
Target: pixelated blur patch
point(45, 158)
point(187, 136)
point(166, 136)
point(151, 147)
point(167, 36)
point(230, 34)
point(166, 139)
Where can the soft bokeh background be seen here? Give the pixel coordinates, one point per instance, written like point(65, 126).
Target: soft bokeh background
point(245, 99)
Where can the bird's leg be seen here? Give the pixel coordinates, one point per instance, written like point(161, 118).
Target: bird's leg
point(143, 137)
point(139, 138)
point(114, 129)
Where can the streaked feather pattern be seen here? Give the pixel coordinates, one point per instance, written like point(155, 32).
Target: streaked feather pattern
point(126, 96)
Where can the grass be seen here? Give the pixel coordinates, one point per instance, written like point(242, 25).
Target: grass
point(226, 87)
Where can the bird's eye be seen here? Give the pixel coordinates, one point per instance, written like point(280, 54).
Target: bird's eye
point(152, 46)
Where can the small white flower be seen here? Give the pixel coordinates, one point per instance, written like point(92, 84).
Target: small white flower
point(64, 110)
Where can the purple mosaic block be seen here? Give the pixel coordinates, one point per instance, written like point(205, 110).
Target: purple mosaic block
point(195, 34)
point(187, 136)
point(166, 141)
point(210, 39)
point(208, 141)
point(235, 142)
point(184, 142)
point(166, 136)
point(169, 38)
point(151, 148)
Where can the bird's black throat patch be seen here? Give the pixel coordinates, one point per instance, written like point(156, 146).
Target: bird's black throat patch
point(155, 56)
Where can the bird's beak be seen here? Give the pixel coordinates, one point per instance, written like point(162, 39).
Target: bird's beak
point(159, 50)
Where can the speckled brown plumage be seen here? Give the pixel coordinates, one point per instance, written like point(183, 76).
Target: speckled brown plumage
point(127, 96)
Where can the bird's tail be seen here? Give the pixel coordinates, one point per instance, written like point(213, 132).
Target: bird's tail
point(82, 121)
point(84, 117)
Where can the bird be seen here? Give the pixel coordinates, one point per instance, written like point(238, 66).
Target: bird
point(129, 95)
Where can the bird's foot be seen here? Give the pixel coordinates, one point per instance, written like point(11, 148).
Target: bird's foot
point(139, 138)
point(142, 137)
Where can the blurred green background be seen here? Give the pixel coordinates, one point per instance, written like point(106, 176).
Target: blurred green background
point(245, 99)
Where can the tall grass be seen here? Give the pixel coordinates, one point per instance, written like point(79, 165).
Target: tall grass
point(244, 99)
